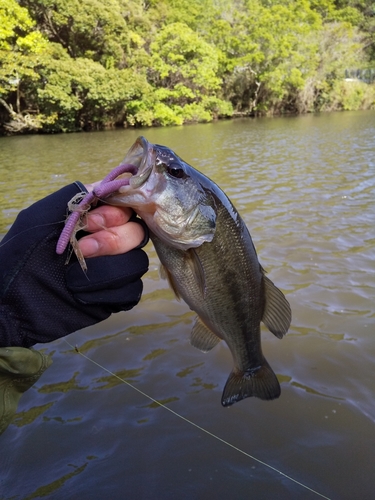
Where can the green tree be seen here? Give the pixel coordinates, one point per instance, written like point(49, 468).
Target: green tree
point(82, 94)
point(106, 31)
point(340, 47)
point(184, 71)
point(267, 52)
point(363, 16)
point(43, 86)
point(93, 29)
point(22, 50)
point(358, 13)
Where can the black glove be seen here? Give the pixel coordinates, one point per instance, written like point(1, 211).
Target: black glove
point(41, 298)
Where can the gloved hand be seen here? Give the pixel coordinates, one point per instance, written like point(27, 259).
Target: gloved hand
point(41, 298)
point(20, 368)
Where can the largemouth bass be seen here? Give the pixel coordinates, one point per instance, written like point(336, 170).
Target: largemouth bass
point(210, 261)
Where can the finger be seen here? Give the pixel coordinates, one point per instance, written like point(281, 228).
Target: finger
point(113, 241)
point(106, 216)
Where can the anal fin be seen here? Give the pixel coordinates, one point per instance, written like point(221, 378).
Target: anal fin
point(202, 337)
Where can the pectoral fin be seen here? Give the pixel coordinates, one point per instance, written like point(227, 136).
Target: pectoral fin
point(165, 274)
point(191, 260)
point(202, 338)
point(196, 267)
point(277, 314)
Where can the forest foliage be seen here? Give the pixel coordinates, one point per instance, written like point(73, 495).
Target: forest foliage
point(69, 65)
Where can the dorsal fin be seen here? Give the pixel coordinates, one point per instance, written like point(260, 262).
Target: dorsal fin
point(277, 314)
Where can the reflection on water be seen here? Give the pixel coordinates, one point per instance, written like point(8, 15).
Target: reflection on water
point(65, 386)
point(305, 187)
point(118, 378)
point(28, 417)
point(50, 489)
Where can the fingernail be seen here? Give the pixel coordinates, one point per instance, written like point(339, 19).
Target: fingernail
point(97, 219)
point(88, 246)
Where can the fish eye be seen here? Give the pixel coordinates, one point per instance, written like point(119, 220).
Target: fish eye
point(175, 170)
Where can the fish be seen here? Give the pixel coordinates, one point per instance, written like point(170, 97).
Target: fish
point(208, 256)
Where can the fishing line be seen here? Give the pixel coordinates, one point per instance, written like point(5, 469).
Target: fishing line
point(196, 425)
point(28, 230)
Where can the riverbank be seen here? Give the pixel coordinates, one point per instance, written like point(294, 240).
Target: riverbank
point(164, 63)
point(353, 96)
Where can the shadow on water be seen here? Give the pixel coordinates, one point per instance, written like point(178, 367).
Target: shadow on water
point(305, 186)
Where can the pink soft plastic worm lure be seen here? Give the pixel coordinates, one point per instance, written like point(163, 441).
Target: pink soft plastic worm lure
point(108, 186)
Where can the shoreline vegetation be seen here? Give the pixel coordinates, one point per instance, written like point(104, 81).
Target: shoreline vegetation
point(67, 66)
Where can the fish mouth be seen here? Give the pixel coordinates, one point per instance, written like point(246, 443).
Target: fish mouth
point(137, 163)
point(141, 156)
point(132, 173)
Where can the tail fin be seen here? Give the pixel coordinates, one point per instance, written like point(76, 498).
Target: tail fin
point(261, 383)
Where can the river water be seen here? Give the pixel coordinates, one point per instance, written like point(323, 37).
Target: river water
point(305, 187)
